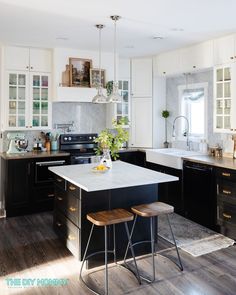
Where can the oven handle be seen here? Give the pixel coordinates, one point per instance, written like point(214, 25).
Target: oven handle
point(50, 163)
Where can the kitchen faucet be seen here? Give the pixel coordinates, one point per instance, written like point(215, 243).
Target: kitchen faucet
point(187, 131)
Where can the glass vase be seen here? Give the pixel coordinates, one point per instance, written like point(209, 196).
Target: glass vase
point(106, 158)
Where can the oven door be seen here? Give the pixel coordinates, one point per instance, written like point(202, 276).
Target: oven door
point(42, 174)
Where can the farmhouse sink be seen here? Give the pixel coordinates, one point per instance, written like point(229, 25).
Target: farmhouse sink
point(169, 157)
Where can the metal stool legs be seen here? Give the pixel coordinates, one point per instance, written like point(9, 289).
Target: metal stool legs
point(106, 251)
point(152, 241)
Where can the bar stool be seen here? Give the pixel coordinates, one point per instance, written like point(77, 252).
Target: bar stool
point(152, 211)
point(106, 218)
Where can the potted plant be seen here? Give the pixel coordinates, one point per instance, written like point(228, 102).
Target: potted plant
point(165, 115)
point(111, 141)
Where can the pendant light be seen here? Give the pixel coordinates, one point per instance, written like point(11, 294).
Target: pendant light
point(115, 96)
point(100, 97)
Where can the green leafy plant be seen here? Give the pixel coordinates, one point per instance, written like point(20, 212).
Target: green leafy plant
point(109, 87)
point(165, 114)
point(113, 139)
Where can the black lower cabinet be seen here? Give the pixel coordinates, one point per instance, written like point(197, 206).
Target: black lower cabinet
point(199, 193)
point(171, 192)
point(133, 157)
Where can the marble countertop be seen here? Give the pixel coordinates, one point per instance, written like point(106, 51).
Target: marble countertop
point(214, 161)
point(33, 154)
point(120, 176)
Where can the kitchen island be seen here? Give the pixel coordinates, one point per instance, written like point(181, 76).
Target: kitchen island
point(79, 190)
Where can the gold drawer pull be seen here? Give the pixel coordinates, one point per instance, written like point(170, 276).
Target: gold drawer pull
point(71, 238)
point(58, 224)
point(225, 174)
point(59, 179)
point(72, 188)
point(51, 195)
point(72, 209)
point(227, 216)
point(60, 198)
point(226, 192)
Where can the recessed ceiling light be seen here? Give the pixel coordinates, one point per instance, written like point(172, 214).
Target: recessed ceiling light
point(157, 37)
point(177, 29)
point(62, 38)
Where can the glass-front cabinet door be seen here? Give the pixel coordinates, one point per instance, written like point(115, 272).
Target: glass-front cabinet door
point(39, 90)
point(223, 98)
point(122, 109)
point(17, 97)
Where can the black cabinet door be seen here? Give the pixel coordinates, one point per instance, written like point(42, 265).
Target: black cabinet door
point(18, 186)
point(133, 157)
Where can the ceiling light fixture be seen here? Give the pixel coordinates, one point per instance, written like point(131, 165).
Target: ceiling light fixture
point(115, 96)
point(100, 97)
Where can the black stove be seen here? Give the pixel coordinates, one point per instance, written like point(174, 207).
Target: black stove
point(80, 146)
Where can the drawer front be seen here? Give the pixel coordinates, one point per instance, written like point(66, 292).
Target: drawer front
point(226, 213)
point(43, 194)
point(59, 181)
point(226, 174)
point(68, 232)
point(69, 204)
point(226, 189)
point(71, 188)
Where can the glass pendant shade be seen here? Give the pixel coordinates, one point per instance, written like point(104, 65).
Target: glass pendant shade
point(115, 97)
point(100, 97)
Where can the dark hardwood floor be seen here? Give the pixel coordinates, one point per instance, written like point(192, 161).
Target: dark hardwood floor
point(29, 249)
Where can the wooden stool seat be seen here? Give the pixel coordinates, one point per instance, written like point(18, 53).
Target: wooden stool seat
point(153, 209)
point(109, 217)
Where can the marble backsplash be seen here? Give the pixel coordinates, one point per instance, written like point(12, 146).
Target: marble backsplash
point(85, 117)
point(172, 104)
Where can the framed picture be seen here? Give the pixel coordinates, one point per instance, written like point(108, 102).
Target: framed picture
point(80, 72)
point(95, 77)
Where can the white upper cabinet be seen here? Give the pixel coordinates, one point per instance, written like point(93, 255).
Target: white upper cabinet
point(28, 59)
point(224, 50)
point(197, 57)
point(168, 63)
point(141, 77)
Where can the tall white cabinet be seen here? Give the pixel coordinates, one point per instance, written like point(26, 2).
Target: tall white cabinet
point(141, 102)
point(26, 88)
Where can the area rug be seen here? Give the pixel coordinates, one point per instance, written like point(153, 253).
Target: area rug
point(191, 237)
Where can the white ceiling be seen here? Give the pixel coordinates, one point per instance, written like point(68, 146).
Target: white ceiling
point(40, 23)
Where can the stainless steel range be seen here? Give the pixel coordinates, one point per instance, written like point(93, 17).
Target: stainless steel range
point(80, 146)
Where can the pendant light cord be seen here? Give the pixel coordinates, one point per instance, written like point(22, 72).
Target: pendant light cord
point(115, 52)
point(100, 48)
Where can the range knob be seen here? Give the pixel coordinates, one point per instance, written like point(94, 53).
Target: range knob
point(94, 137)
point(65, 138)
point(90, 137)
point(69, 138)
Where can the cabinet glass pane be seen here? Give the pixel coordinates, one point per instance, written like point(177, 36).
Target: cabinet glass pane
point(36, 121)
point(227, 89)
point(44, 82)
point(21, 107)
point(125, 109)
point(125, 85)
point(36, 80)
point(219, 107)
point(21, 93)
point(12, 121)
point(219, 90)
point(125, 96)
point(12, 107)
point(44, 94)
point(227, 75)
point(44, 107)
point(12, 92)
point(36, 94)
point(119, 108)
point(219, 122)
point(227, 107)
point(120, 84)
point(21, 121)
point(227, 122)
point(44, 121)
point(22, 80)
point(219, 75)
point(118, 118)
point(36, 108)
point(12, 79)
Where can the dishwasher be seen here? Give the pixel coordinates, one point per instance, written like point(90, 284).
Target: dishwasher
point(199, 193)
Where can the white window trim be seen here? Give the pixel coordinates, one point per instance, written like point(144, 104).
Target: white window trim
point(181, 88)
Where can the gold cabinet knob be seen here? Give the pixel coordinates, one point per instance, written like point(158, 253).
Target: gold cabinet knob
point(59, 180)
point(71, 237)
point(72, 188)
point(59, 198)
point(58, 224)
point(72, 209)
point(226, 174)
point(227, 216)
point(226, 192)
point(51, 195)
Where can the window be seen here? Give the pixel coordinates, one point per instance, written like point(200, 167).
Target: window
point(193, 105)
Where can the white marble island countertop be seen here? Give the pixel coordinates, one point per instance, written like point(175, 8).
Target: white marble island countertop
point(120, 176)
